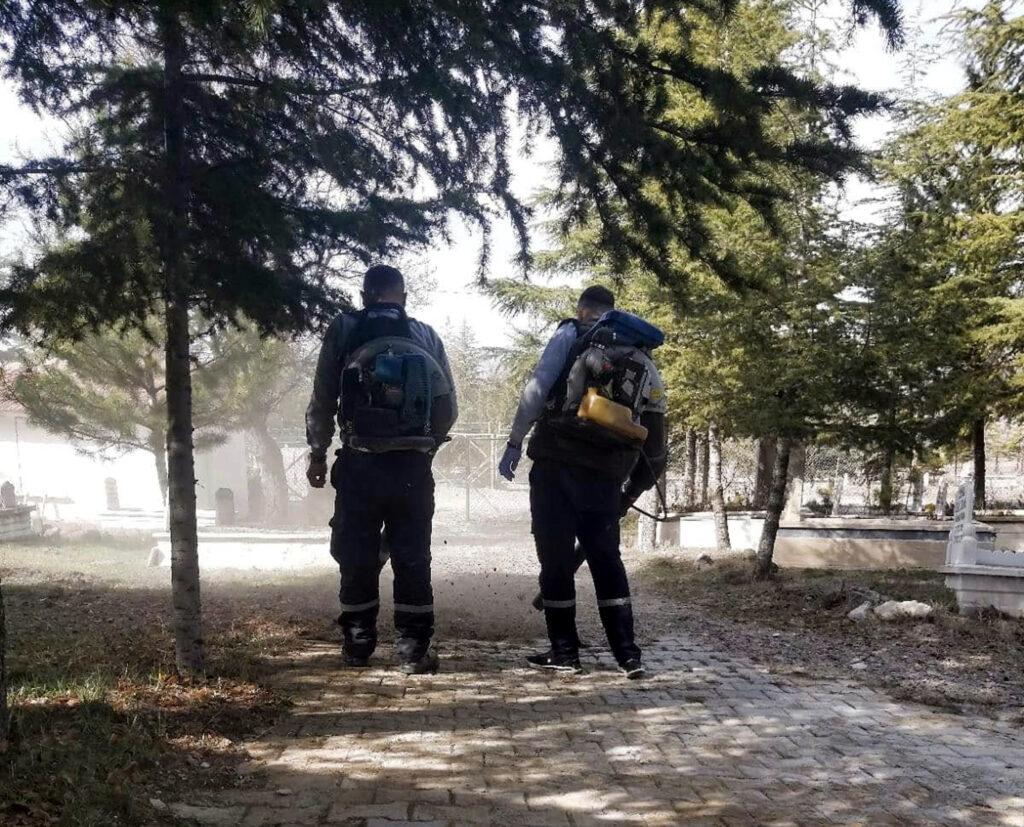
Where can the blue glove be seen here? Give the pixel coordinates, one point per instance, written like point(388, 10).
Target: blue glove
point(510, 461)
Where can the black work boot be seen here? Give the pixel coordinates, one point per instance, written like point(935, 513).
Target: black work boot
point(569, 663)
point(426, 665)
point(633, 669)
point(354, 661)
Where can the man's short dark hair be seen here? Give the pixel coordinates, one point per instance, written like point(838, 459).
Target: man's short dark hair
point(382, 280)
point(597, 299)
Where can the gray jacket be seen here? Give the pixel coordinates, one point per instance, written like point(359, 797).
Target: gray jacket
point(322, 411)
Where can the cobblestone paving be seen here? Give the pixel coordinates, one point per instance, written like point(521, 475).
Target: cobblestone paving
point(709, 739)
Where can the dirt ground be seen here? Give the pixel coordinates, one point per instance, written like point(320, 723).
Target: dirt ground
point(797, 624)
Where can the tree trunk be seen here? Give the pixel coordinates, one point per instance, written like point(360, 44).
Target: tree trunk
point(917, 501)
point(978, 438)
point(272, 463)
point(702, 471)
point(4, 718)
point(717, 493)
point(885, 492)
point(796, 473)
point(646, 528)
point(188, 621)
point(773, 512)
point(837, 495)
point(765, 467)
point(690, 469)
point(158, 448)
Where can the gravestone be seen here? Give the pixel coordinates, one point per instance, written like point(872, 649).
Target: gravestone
point(8, 496)
point(15, 520)
point(113, 500)
point(917, 500)
point(224, 504)
point(979, 575)
point(962, 547)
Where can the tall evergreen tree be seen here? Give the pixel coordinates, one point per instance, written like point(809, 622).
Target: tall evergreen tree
point(106, 393)
point(751, 362)
point(947, 269)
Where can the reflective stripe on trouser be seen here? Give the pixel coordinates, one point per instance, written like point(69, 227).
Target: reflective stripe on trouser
point(393, 493)
point(569, 503)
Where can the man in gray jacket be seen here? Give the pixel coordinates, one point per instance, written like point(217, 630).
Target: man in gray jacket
point(386, 379)
point(581, 486)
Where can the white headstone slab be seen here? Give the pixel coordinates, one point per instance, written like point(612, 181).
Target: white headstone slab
point(962, 547)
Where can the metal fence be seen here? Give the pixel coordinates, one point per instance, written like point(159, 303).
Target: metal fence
point(468, 486)
point(835, 481)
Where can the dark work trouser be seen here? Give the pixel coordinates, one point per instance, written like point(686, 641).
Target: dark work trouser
point(395, 493)
point(566, 504)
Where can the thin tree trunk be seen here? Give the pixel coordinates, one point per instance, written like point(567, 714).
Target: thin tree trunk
point(717, 493)
point(765, 467)
point(690, 469)
point(4, 717)
point(796, 479)
point(272, 462)
point(773, 512)
point(188, 621)
point(978, 438)
point(702, 471)
point(837, 495)
point(158, 448)
point(917, 503)
point(646, 528)
point(885, 492)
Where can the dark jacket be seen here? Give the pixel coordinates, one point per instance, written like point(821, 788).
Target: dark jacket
point(322, 411)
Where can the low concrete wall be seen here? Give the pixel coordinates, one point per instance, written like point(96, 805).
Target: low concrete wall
point(260, 551)
point(16, 522)
point(1009, 530)
point(697, 530)
point(836, 543)
point(853, 543)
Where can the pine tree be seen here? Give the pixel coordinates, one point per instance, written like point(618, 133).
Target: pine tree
point(753, 362)
point(947, 323)
point(248, 378)
point(106, 393)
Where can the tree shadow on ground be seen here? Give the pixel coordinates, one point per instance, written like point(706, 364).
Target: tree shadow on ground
point(707, 740)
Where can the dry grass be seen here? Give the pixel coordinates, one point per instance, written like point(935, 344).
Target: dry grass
point(101, 723)
point(727, 588)
point(798, 620)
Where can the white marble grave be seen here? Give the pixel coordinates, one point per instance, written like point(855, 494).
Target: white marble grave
point(981, 575)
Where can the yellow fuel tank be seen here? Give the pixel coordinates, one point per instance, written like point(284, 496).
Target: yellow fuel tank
point(611, 415)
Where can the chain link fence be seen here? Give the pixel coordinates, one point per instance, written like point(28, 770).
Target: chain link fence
point(841, 482)
point(836, 482)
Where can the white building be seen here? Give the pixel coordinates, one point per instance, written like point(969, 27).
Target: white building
point(47, 467)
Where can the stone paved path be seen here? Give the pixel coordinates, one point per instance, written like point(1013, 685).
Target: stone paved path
point(710, 739)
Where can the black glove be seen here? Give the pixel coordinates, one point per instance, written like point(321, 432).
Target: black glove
point(625, 504)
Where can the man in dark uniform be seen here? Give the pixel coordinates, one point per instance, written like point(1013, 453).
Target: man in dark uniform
point(579, 490)
point(383, 483)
